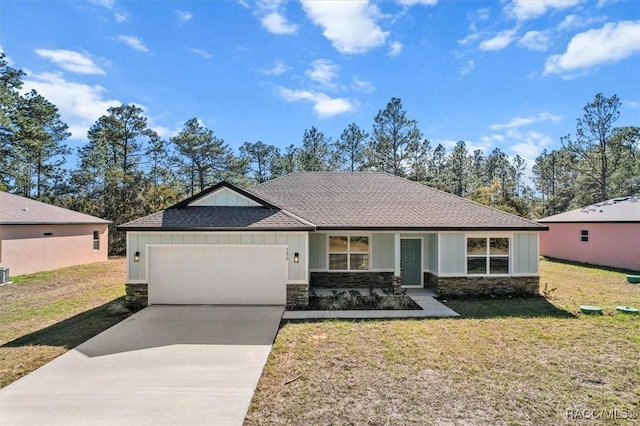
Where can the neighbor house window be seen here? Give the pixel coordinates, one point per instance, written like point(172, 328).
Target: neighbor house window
point(487, 256)
point(584, 235)
point(348, 253)
point(96, 240)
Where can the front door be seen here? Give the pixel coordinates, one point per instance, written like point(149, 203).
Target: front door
point(411, 262)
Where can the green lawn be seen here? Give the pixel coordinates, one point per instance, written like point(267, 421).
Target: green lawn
point(514, 361)
point(44, 315)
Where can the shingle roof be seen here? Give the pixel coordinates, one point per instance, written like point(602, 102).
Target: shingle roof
point(381, 201)
point(218, 218)
point(622, 209)
point(17, 210)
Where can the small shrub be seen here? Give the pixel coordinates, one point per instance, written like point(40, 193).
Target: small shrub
point(548, 292)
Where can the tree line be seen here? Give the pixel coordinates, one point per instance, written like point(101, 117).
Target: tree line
point(126, 170)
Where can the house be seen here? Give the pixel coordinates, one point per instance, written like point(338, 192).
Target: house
point(606, 234)
point(273, 242)
point(36, 237)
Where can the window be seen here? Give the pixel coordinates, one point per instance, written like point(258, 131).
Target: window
point(96, 240)
point(584, 235)
point(348, 253)
point(487, 256)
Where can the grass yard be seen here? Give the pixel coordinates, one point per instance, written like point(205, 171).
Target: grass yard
point(524, 361)
point(44, 315)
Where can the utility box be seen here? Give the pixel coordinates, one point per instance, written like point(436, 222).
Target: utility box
point(4, 275)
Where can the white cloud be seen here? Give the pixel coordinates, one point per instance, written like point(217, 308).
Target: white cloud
point(6, 57)
point(471, 37)
point(273, 19)
point(80, 105)
point(525, 121)
point(574, 21)
point(529, 9)
point(471, 146)
point(362, 85)
point(529, 146)
point(395, 48)
point(631, 104)
point(279, 68)
point(109, 4)
point(611, 43)
point(244, 4)
point(499, 41)
point(164, 132)
point(205, 54)
point(323, 105)
point(184, 16)
point(535, 40)
point(134, 43)
point(414, 2)
point(71, 61)
point(351, 26)
point(323, 71)
point(275, 23)
point(469, 66)
point(121, 17)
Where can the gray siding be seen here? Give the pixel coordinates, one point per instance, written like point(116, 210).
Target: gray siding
point(431, 253)
point(382, 256)
point(317, 251)
point(452, 253)
point(525, 254)
point(138, 241)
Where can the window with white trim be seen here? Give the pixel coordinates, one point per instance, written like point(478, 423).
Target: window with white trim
point(487, 256)
point(348, 253)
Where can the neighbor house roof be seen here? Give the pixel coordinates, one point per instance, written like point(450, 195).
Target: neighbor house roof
point(334, 200)
point(17, 210)
point(622, 209)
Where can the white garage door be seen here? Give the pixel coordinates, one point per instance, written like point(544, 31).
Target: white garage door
point(217, 274)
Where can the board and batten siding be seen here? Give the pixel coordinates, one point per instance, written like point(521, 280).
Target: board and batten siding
point(452, 253)
point(525, 253)
point(225, 197)
point(138, 241)
point(382, 251)
point(317, 251)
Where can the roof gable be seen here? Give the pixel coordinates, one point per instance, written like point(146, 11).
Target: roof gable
point(224, 194)
point(224, 197)
point(17, 210)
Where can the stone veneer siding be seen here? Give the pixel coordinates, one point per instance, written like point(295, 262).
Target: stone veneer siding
point(484, 286)
point(138, 294)
point(297, 294)
point(352, 279)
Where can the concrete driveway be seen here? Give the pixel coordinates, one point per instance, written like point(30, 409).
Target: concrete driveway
point(185, 365)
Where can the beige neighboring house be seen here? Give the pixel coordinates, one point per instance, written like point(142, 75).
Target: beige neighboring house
point(36, 236)
point(605, 234)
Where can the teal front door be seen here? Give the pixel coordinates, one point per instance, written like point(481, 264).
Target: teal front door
point(411, 262)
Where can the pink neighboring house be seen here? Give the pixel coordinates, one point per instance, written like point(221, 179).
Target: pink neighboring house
point(606, 233)
point(36, 237)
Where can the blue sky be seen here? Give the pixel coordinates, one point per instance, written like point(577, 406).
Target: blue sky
point(513, 74)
